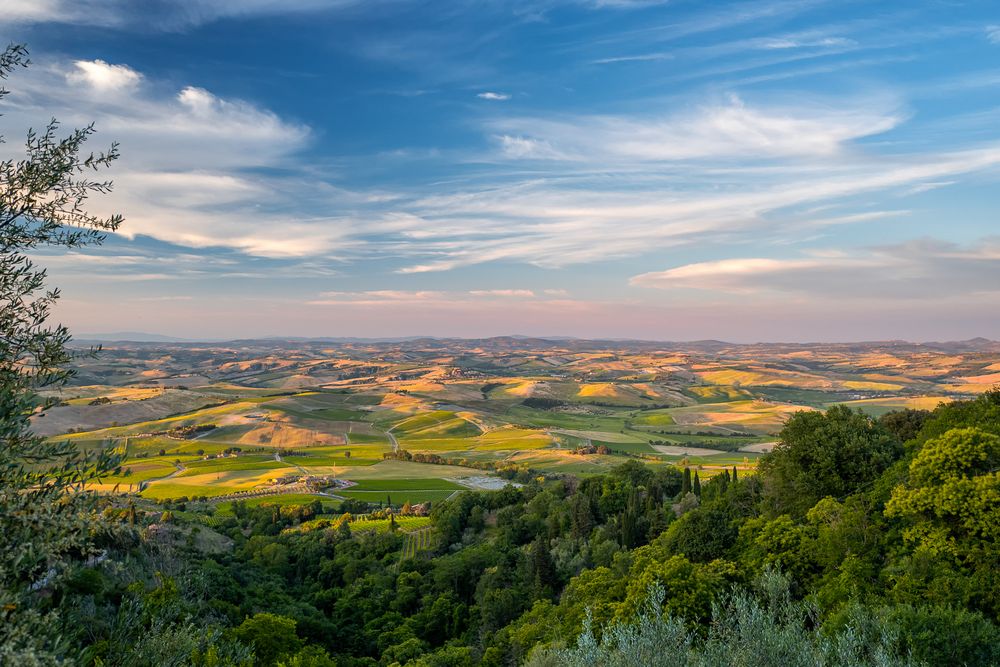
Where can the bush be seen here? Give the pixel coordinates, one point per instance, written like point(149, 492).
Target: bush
point(751, 628)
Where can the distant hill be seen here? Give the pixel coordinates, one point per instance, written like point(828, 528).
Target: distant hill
point(516, 342)
point(128, 336)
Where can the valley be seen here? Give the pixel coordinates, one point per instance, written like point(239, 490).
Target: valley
point(417, 421)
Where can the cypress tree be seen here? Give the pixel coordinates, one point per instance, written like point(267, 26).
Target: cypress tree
point(582, 517)
point(686, 484)
point(344, 527)
point(696, 487)
point(545, 569)
point(735, 478)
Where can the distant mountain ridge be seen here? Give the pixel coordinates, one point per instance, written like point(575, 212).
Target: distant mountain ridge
point(130, 337)
point(978, 344)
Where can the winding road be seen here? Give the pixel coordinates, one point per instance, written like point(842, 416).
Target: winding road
point(393, 441)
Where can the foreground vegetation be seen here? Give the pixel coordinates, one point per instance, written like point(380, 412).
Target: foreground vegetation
point(860, 541)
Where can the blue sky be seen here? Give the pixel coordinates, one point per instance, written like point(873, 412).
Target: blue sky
point(796, 170)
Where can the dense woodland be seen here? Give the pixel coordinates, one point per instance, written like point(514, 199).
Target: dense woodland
point(859, 541)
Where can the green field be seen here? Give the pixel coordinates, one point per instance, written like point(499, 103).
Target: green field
point(330, 505)
point(397, 497)
point(436, 424)
point(229, 464)
point(217, 483)
point(326, 414)
point(309, 461)
point(653, 418)
point(406, 485)
point(628, 447)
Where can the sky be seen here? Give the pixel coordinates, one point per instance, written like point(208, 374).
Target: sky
point(792, 170)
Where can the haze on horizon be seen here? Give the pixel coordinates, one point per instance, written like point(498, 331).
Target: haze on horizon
point(749, 171)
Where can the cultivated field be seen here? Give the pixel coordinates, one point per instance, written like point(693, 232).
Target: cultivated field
point(416, 422)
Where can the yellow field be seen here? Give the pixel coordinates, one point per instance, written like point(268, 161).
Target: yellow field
point(212, 484)
point(522, 389)
point(871, 386)
point(83, 395)
point(991, 378)
point(719, 391)
point(766, 378)
point(286, 436)
point(402, 470)
point(600, 390)
point(914, 403)
point(759, 416)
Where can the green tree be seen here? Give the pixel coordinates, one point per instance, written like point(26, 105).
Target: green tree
point(824, 454)
point(543, 568)
point(702, 534)
point(273, 637)
point(950, 507)
point(953, 493)
point(904, 424)
point(310, 656)
point(45, 514)
point(696, 485)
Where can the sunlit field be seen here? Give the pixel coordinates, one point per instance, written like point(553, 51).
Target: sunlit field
point(289, 432)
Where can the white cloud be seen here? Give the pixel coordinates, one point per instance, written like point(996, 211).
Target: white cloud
point(201, 171)
point(605, 215)
point(522, 293)
point(435, 298)
point(628, 4)
point(30, 11)
point(916, 270)
point(104, 77)
point(156, 299)
point(155, 14)
point(993, 33)
point(497, 97)
point(186, 175)
point(643, 57)
point(732, 129)
point(797, 43)
point(520, 148)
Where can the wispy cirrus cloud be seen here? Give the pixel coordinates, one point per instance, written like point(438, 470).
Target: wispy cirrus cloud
point(166, 298)
point(922, 269)
point(640, 57)
point(156, 14)
point(493, 96)
point(557, 224)
point(801, 43)
point(426, 298)
point(731, 129)
point(519, 293)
